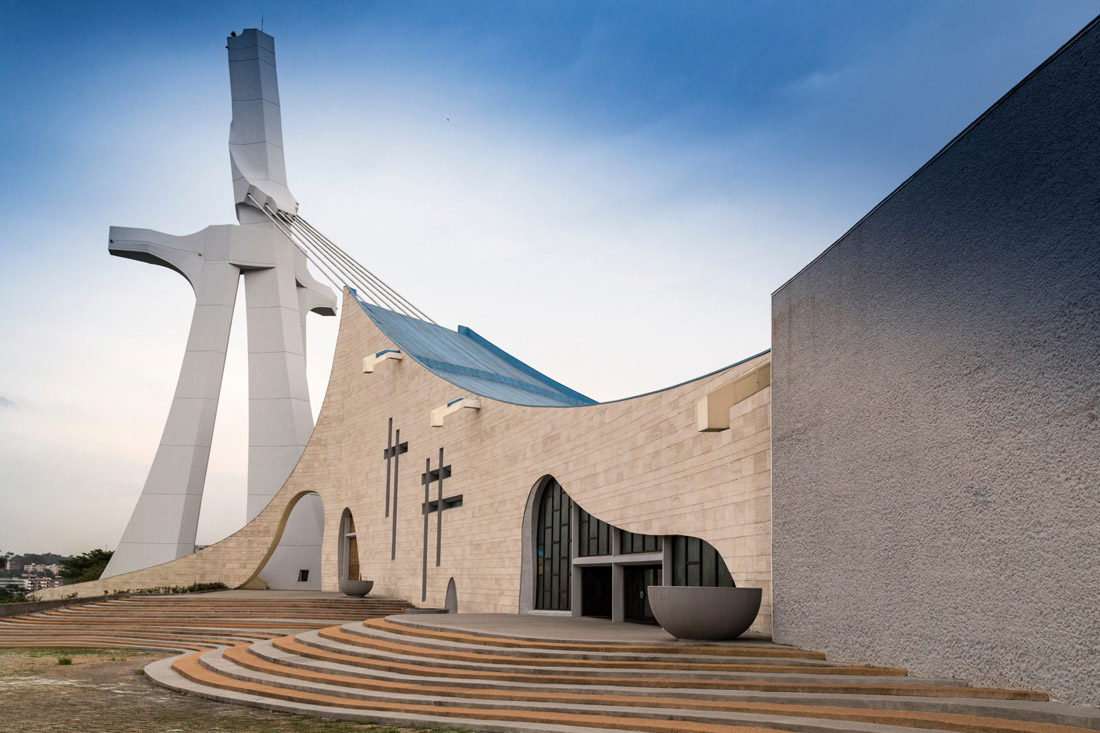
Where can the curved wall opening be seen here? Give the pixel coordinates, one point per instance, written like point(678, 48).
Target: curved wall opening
point(450, 602)
point(277, 557)
point(348, 551)
point(296, 562)
point(574, 563)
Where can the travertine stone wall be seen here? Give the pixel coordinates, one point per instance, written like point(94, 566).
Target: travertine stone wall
point(936, 383)
point(640, 464)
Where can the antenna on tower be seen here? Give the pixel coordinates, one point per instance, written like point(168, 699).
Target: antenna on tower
point(261, 22)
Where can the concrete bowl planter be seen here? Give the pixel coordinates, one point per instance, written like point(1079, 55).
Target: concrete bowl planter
point(704, 614)
point(356, 588)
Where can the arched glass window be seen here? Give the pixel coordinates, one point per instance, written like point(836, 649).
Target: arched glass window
point(554, 565)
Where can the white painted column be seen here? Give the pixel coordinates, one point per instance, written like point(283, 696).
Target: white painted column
point(166, 518)
point(280, 421)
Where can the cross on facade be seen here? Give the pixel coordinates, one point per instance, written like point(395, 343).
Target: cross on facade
point(392, 454)
point(426, 478)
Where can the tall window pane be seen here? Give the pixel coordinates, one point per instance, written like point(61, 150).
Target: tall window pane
point(594, 535)
point(696, 562)
point(632, 543)
point(552, 552)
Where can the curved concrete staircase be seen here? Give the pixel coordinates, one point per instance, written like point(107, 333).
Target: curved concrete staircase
point(185, 622)
point(317, 656)
point(401, 670)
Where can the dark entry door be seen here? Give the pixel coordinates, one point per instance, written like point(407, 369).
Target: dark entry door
point(636, 580)
point(596, 591)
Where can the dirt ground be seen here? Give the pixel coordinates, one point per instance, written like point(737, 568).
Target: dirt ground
point(105, 690)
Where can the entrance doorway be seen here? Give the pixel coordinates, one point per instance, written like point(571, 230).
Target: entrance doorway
point(636, 582)
point(596, 591)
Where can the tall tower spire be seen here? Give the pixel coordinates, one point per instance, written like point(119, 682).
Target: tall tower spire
point(256, 132)
point(280, 292)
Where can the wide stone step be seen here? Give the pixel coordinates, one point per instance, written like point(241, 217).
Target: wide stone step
point(748, 689)
point(487, 719)
point(405, 627)
point(913, 700)
point(162, 673)
point(386, 632)
point(611, 712)
point(312, 644)
point(343, 658)
point(381, 655)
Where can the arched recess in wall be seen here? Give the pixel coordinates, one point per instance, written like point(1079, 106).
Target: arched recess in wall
point(573, 562)
point(348, 550)
point(313, 579)
point(450, 602)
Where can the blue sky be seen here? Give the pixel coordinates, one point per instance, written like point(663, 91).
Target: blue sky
point(609, 190)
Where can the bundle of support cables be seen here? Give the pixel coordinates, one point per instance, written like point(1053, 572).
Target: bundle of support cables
point(338, 266)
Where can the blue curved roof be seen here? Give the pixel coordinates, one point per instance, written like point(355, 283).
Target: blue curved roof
point(471, 362)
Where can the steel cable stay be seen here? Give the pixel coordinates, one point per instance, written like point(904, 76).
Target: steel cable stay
point(416, 312)
point(337, 266)
point(333, 250)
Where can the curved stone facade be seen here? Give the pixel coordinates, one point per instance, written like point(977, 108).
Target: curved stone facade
point(641, 464)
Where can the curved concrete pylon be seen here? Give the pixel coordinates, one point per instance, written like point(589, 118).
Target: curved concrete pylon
point(164, 522)
point(280, 292)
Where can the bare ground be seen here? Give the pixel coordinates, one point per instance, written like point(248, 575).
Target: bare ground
point(105, 690)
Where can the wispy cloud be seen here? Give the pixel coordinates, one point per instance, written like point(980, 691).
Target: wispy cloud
point(5, 402)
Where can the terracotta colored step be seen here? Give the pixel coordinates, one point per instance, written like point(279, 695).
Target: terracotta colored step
point(242, 655)
point(190, 668)
point(100, 643)
point(131, 622)
point(423, 668)
point(337, 634)
point(839, 687)
point(935, 721)
point(647, 654)
point(209, 612)
point(670, 649)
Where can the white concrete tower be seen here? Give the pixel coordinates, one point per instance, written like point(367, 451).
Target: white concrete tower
point(279, 292)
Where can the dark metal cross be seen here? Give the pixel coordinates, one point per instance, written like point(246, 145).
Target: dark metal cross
point(392, 454)
point(427, 478)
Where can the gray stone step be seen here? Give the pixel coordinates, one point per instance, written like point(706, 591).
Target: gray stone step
point(357, 628)
point(311, 638)
point(161, 673)
point(1039, 712)
point(215, 662)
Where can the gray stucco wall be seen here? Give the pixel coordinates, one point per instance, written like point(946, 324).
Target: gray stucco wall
point(936, 393)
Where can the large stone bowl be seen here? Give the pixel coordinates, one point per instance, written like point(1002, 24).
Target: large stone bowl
point(356, 588)
point(704, 614)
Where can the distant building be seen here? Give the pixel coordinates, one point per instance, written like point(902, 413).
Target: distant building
point(38, 568)
point(38, 583)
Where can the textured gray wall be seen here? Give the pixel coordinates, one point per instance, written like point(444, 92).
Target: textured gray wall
point(936, 393)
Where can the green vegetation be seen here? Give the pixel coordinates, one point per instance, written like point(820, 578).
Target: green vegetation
point(164, 590)
point(85, 566)
point(12, 595)
point(64, 661)
point(10, 562)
